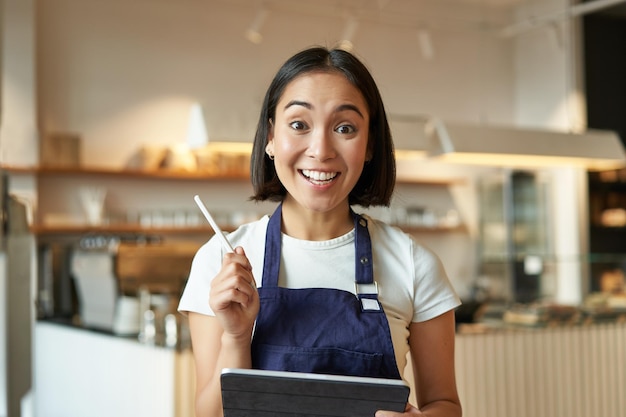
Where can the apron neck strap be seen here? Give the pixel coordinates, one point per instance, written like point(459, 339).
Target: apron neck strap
point(364, 272)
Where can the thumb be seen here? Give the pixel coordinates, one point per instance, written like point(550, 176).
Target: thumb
point(386, 413)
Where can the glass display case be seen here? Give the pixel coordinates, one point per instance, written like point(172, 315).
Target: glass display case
point(520, 269)
point(514, 244)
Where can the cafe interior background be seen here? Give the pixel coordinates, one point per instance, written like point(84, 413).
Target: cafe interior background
point(114, 114)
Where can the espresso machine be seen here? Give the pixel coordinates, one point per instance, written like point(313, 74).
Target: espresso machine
point(110, 276)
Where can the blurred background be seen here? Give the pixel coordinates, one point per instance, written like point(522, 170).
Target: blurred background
point(115, 113)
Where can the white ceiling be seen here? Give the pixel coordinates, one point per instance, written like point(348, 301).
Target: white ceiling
point(499, 17)
point(430, 13)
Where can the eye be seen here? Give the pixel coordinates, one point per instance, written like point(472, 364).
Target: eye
point(345, 129)
point(298, 125)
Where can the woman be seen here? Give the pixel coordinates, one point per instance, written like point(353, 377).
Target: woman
point(322, 145)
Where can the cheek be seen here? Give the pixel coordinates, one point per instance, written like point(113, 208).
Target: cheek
point(286, 147)
point(356, 156)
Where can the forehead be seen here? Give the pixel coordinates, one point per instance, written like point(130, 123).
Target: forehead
point(318, 85)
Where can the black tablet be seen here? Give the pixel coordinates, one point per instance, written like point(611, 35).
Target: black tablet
point(258, 393)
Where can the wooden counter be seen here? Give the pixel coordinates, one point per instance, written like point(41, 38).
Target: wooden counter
point(573, 371)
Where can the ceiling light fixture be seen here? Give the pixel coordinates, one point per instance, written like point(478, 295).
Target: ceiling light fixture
point(253, 33)
point(347, 38)
point(577, 10)
point(594, 150)
point(197, 136)
point(426, 44)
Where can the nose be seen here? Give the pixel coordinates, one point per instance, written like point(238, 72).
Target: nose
point(321, 146)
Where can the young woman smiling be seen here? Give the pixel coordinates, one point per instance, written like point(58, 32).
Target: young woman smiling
point(286, 299)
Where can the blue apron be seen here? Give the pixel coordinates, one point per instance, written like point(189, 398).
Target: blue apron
point(322, 330)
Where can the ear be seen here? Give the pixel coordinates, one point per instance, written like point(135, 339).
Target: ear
point(269, 147)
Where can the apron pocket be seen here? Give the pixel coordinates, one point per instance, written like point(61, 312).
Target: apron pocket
point(317, 360)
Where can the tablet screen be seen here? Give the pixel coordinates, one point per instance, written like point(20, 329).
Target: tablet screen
point(258, 393)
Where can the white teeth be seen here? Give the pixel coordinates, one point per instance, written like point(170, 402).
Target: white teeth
point(319, 176)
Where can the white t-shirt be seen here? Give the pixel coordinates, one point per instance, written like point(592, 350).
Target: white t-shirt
point(412, 283)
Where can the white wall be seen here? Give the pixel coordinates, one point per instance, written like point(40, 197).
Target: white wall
point(18, 127)
point(125, 73)
point(548, 71)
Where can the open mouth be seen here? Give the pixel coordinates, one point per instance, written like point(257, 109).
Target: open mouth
point(319, 177)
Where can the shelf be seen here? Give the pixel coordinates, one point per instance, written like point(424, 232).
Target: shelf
point(154, 174)
point(434, 182)
point(43, 230)
point(182, 175)
point(436, 229)
point(46, 230)
point(51, 177)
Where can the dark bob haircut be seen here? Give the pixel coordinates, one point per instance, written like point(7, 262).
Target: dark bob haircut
point(375, 186)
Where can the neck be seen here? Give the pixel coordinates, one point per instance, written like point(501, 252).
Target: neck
point(302, 223)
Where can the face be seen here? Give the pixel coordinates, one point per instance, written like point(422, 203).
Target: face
point(319, 140)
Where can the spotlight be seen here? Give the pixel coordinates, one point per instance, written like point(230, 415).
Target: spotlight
point(346, 42)
point(197, 136)
point(426, 44)
point(253, 33)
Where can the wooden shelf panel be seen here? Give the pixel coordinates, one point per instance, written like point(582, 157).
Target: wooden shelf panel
point(43, 230)
point(60, 174)
point(434, 182)
point(185, 176)
point(154, 174)
point(435, 229)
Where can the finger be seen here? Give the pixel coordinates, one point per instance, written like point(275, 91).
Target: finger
point(240, 251)
point(240, 258)
point(409, 410)
point(241, 284)
point(242, 296)
point(233, 269)
point(226, 298)
point(246, 288)
point(235, 278)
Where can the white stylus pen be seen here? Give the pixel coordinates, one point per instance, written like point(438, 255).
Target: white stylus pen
point(214, 225)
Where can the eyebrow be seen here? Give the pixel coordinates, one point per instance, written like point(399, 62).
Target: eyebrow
point(340, 108)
